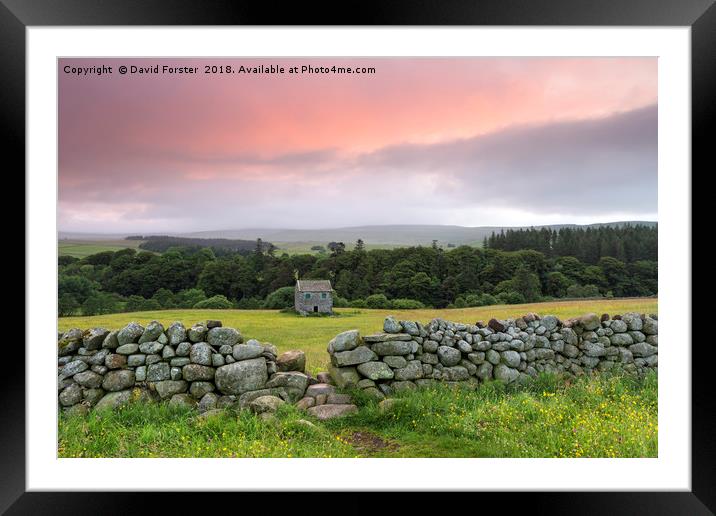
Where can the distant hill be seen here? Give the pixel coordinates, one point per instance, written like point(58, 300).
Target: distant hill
point(384, 235)
point(301, 240)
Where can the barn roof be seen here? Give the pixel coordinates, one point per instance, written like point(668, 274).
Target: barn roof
point(313, 286)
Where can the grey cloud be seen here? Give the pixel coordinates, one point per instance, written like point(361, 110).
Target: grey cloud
point(578, 167)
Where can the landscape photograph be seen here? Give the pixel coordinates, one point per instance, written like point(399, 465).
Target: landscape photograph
point(357, 257)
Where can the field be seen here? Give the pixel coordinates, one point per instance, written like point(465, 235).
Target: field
point(292, 248)
point(82, 248)
point(606, 416)
point(311, 334)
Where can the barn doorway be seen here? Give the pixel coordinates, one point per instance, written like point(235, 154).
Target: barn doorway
point(315, 309)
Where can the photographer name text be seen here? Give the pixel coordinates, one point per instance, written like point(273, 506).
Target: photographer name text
point(213, 69)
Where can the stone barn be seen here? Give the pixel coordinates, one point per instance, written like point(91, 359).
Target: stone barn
point(313, 296)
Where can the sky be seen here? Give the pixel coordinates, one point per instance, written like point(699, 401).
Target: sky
point(464, 141)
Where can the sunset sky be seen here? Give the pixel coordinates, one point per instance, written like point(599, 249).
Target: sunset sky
point(467, 141)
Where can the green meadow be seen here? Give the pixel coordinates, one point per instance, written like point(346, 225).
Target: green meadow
point(82, 248)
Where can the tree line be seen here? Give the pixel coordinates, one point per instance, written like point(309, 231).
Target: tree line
point(220, 246)
point(627, 243)
point(186, 277)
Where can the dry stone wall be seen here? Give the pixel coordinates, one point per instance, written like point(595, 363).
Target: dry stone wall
point(407, 354)
point(210, 367)
point(207, 366)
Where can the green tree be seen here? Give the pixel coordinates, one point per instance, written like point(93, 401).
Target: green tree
point(406, 304)
point(570, 267)
point(500, 266)
point(577, 290)
point(377, 301)
point(79, 287)
point(103, 258)
point(590, 291)
point(422, 287)
point(470, 299)
point(616, 275)
point(345, 283)
point(397, 282)
point(447, 292)
point(644, 275)
point(189, 297)
point(593, 275)
point(557, 284)
point(134, 303)
point(99, 303)
point(337, 248)
point(67, 305)
point(527, 284)
point(340, 302)
point(281, 298)
point(66, 260)
point(164, 297)
point(150, 305)
point(215, 303)
point(504, 286)
point(510, 298)
point(487, 300)
point(221, 277)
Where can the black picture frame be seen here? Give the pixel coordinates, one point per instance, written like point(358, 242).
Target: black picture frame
point(700, 15)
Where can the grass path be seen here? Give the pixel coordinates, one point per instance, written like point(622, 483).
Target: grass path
point(311, 334)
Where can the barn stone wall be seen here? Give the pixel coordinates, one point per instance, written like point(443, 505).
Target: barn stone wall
point(305, 306)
